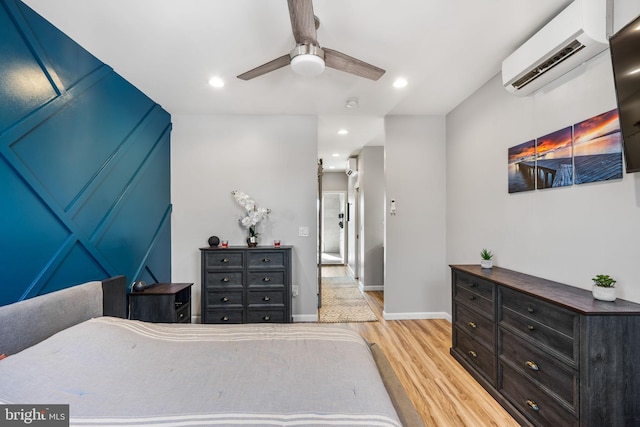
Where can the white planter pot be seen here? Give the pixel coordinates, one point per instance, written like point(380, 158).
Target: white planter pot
point(604, 294)
point(486, 263)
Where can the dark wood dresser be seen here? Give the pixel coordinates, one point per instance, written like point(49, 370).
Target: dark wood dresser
point(550, 353)
point(246, 285)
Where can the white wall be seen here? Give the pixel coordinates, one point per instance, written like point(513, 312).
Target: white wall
point(335, 181)
point(371, 217)
point(416, 278)
point(273, 159)
point(566, 234)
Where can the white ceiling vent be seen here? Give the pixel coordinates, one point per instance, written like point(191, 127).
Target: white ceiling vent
point(352, 167)
point(576, 35)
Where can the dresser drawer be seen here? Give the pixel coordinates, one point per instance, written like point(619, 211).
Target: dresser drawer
point(224, 298)
point(224, 316)
point(479, 327)
point(266, 259)
point(266, 297)
point(480, 304)
point(223, 279)
point(555, 341)
point(539, 366)
point(475, 285)
point(183, 313)
point(266, 278)
point(547, 314)
point(474, 353)
point(536, 405)
point(223, 259)
point(267, 316)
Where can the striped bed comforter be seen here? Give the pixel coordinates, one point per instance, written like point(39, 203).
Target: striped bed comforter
point(129, 373)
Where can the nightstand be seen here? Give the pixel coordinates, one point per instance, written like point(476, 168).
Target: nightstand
point(162, 303)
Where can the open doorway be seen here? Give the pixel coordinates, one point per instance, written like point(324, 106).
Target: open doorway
point(334, 223)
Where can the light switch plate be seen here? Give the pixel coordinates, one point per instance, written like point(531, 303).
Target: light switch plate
point(303, 231)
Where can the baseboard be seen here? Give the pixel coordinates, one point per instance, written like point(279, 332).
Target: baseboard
point(370, 288)
point(411, 316)
point(305, 317)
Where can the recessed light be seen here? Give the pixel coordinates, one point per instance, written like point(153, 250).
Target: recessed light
point(216, 82)
point(335, 155)
point(343, 132)
point(332, 167)
point(400, 83)
point(352, 103)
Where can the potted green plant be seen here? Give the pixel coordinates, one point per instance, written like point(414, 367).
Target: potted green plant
point(604, 288)
point(486, 260)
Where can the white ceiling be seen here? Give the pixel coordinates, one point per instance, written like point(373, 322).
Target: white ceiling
point(169, 49)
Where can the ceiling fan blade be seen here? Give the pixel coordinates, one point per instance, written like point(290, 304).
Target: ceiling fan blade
point(348, 64)
point(302, 21)
point(284, 60)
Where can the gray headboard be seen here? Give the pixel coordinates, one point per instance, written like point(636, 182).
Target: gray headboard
point(28, 322)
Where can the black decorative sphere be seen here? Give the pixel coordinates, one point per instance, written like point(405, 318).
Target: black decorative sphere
point(214, 241)
point(139, 286)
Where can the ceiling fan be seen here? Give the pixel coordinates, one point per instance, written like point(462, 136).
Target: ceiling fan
point(308, 58)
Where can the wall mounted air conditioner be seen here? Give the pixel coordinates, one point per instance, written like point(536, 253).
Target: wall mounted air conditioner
point(352, 167)
point(574, 36)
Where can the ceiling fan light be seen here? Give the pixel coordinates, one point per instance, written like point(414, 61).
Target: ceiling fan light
point(307, 65)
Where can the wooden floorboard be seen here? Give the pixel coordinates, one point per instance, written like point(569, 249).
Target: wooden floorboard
point(441, 390)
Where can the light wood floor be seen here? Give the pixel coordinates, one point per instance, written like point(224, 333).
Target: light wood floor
point(444, 394)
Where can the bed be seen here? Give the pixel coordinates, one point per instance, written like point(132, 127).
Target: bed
point(75, 347)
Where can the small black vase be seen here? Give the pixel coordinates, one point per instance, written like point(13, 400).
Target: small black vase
point(214, 241)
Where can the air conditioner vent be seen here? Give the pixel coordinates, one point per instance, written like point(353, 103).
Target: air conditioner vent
point(565, 53)
point(578, 33)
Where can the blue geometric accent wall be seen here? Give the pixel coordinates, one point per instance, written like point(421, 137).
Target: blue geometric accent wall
point(84, 166)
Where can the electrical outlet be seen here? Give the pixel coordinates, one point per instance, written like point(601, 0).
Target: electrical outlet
point(295, 290)
point(303, 231)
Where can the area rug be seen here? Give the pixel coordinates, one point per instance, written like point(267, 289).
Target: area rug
point(342, 302)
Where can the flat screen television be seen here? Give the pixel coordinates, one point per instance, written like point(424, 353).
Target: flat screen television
point(625, 57)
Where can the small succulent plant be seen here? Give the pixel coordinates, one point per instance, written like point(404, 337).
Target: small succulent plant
point(604, 281)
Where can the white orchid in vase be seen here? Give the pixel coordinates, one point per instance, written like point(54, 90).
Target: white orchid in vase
point(254, 215)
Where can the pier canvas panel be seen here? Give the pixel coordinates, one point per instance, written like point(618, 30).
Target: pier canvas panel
point(598, 148)
point(522, 167)
point(588, 151)
point(554, 167)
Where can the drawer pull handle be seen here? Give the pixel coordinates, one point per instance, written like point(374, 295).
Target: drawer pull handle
point(266, 260)
point(225, 319)
point(471, 297)
point(533, 405)
point(266, 318)
point(532, 365)
point(224, 299)
point(530, 327)
point(266, 279)
point(225, 260)
point(266, 299)
point(530, 309)
point(472, 285)
point(181, 315)
point(473, 324)
point(225, 279)
point(473, 353)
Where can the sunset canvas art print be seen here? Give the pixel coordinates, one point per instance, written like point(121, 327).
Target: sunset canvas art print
point(554, 166)
point(522, 163)
point(598, 148)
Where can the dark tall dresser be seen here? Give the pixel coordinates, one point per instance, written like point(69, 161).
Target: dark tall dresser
point(246, 285)
point(550, 353)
